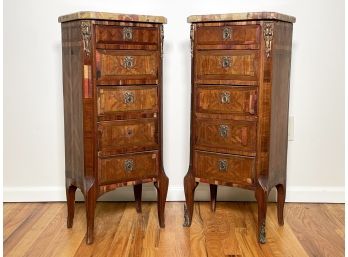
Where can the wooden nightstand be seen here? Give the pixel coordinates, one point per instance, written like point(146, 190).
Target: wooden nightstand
point(240, 102)
point(112, 78)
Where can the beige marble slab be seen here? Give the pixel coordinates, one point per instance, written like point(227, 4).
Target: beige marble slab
point(241, 17)
point(112, 16)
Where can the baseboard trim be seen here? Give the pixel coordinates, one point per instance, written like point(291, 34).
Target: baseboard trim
point(176, 193)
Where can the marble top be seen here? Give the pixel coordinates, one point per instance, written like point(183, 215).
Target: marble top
point(241, 17)
point(112, 16)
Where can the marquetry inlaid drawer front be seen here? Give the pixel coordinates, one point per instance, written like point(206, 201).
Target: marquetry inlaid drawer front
point(227, 36)
point(127, 35)
point(226, 99)
point(224, 167)
point(127, 99)
point(227, 66)
point(129, 135)
point(117, 67)
point(225, 135)
point(127, 167)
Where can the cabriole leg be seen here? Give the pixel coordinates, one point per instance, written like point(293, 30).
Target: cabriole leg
point(189, 186)
point(281, 192)
point(162, 189)
point(70, 197)
point(261, 197)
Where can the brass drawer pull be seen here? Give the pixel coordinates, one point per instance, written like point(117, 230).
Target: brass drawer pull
point(128, 62)
point(223, 165)
point(127, 33)
point(128, 165)
point(225, 97)
point(226, 62)
point(223, 130)
point(128, 97)
point(226, 33)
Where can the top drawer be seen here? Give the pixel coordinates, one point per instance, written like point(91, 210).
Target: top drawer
point(226, 37)
point(130, 36)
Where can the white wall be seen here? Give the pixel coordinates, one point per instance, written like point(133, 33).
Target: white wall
point(33, 102)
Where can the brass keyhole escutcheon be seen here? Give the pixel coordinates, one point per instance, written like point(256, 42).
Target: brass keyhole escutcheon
point(225, 97)
point(223, 130)
point(127, 33)
point(128, 97)
point(128, 165)
point(128, 62)
point(226, 62)
point(226, 33)
point(223, 165)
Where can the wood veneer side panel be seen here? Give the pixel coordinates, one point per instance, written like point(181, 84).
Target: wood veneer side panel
point(73, 106)
point(264, 110)
point(193, 99)
point(89, 107)
point(281, 58)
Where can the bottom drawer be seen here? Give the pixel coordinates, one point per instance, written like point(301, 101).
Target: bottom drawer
point(224, 167)
point(127, 167)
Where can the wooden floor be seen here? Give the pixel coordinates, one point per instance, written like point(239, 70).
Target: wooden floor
point(39, 229)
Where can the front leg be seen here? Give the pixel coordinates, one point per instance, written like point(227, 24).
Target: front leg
point(189, 186)
point(70, 198)
point(90, 201)
point(261, 195)
point(162, 188)
point(281, 192)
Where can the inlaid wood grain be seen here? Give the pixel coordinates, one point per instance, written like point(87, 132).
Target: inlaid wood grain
point(310, 230)
point(113, 169)
point(238, 170)
point(128, 136)
point(115, 35)
point(226, 99)
point(112, 66)
point(114, 99)
point(214, 35)
point(225, 135)
point(231, 66)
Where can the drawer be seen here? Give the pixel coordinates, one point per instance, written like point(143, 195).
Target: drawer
point(229, 100)
point(127, 167)
point(228, 36)
point(227, 67)
point(230, 136)
point(130, 135)
point(128, 35)
point(225, 167)
point(127, 99)
point(118, 67)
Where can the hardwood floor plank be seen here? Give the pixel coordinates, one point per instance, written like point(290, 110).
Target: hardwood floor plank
point(57, 239)
point(335, 214)
point(151, 237)
point(215, 229)
point(34, 213)
point(10, 209)
point(198, 247)
point(246, 230)
point(23, 245)
point(18, 216)
point(108, 216)
point(310, 223)
point(40, 230)
point(122, 240)
point(280, 239)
